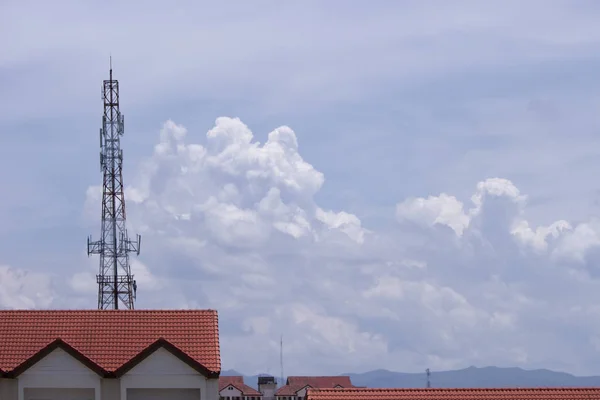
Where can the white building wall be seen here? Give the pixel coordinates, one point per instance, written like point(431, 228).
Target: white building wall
point(58, 394)
point(59, 370)
point(111, 389)
point(8, 389)
point(268, 390)
point(302, 392)
point(162, 370)
point(212, 389)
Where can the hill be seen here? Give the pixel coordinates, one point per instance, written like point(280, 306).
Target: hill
point(468, 377)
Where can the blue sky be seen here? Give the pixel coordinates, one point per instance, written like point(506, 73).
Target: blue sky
point(439, 209)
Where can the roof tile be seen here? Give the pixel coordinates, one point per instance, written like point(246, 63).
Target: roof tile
point(238, 383)
point(109, 338)
point(456, 394)
point(295, 383)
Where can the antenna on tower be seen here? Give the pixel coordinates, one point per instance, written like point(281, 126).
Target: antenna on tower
point(428, 378)
point(115, 280)
point(281, 359)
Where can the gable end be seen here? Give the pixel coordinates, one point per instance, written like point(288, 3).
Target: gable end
point(305, 387)
point(45, 351)
point(164, 344)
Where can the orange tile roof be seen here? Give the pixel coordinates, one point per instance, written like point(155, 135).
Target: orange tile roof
point(225, 381)
point(295, 383)
point(456, 394)
point(110, 338)
point(238, 383)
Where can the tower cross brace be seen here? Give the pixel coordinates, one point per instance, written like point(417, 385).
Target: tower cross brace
point(115, 280)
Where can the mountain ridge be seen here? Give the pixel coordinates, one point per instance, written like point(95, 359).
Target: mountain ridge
point(475, 377)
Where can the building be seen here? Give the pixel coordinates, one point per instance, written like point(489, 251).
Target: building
point(109, 355)
point(267, 386)
point(296, 386)
point(455, 394)
point(234, 388)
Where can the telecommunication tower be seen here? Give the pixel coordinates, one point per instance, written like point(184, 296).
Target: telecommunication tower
point(115, 281)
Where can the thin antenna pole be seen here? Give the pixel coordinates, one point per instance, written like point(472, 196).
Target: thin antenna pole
point(428, 378)
point(281, 359)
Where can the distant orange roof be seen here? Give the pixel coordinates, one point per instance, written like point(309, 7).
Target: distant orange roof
point(225, 381)
point(238, 383)
point(296, 383)
point(109, 341)
point(456, 394)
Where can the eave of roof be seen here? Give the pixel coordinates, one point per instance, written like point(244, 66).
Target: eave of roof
point(244, 389)
point(61, 344)
point(43, 352)
point(165, 344)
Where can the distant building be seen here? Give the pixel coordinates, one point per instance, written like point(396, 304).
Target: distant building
point(296, 386)
point(234, 388)
point(454, 394)
point(267, 386)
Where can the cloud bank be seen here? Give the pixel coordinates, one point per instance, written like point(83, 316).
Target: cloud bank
point(233, 224)
point(393, 103)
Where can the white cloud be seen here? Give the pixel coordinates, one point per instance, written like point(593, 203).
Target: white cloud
point(234, 224)
point(499, 201)
point(234, 189)
point(442, 209)
point(22, 289)
point(578, 241)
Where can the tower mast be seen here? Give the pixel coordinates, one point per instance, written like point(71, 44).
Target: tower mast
point(115, 281)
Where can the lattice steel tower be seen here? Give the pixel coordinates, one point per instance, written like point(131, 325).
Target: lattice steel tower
point(115, 281)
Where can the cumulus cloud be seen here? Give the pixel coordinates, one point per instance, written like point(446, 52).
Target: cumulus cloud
point(503, 275)
point(233, 224)
point(234, 189)
point(447, 210)
point(22, 289)
point(442, 209)
point(498, 206)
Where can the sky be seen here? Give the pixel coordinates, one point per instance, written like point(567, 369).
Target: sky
point(387, 184)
